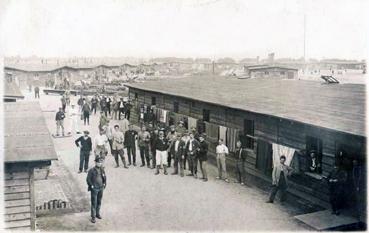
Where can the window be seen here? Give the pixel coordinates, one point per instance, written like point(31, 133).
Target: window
point(206, 115)
point(175, 107)
point(193, 103)
point(313, 162)
point(266, 72)
point(248, 129)
point(136, 96)
point(153, 100)
point(283, 73)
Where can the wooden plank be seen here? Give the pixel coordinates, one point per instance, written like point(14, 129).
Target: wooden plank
point(14, 203)
point(18, 209)
point(16, 224)
point(32, 196)
point(17, 217)
point(16, 189)
point(16, 196)
point(16, 175)
point(19, 182)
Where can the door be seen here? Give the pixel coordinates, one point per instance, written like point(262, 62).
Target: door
point(264, 157)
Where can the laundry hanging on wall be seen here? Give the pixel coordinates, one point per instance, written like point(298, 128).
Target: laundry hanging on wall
point(232, 138)
point(223, 133)
point(279, 150)
point(192, 123)
point(211, 130)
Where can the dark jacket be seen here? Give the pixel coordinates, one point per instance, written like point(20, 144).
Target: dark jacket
point(161, 144)
point(241, 157)
point(85, 143)
point(203, 152)
point(91, 177)
point(59, 116)
point(130, 138)
point(195, 147)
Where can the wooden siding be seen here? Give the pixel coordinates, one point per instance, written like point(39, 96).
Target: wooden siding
point(18, 196)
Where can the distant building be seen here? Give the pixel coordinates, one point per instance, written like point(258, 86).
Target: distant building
point(267, 71)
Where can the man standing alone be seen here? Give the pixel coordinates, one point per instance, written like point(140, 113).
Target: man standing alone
point(96, 182)
point(37, 92)
point(85, 144)
point(241, 155)
point(59, 118)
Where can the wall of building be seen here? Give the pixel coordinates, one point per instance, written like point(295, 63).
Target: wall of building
point(274, 73)
point(269, 129)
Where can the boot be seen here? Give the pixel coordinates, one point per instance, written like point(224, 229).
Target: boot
point(165, 170)
point(157, 170)
point(124, 163)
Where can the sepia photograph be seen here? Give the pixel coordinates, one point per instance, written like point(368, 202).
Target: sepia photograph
point(183, 115)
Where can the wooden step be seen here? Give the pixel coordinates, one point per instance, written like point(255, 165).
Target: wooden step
point(16, 175)
point(17, 217)
point(16, 224)
point(16, 196)
point(19, 182)
point(18, 209)
point(14, 203)
point(16, 189)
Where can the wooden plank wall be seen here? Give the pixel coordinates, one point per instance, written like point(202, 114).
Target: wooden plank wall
point(267, 128)
point(19, 214)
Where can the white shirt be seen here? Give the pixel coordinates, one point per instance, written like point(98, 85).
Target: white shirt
point(101, 140)
point(222, 149)
point(176, 145)
point(190, 146)
point(73, 112)
point(121, 105)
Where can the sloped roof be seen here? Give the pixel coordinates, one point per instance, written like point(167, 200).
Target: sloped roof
point(338, 107)
point(27, 138)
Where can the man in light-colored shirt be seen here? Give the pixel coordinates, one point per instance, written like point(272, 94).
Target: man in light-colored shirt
point(73, 118)
point(222, 151)
point(101, 144)
point(118, 145)
point(124, 125)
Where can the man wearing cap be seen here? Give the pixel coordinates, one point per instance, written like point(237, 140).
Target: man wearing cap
point(203, 156)
point(178, 150)
point(130, 137)
point(144, 144)
point(241, 155)
point(101, 145)
point(161, 146)
point(192, 149)
point(118, 145)
point(96, 182)
point(73, 116)
point(85, 144)
point(171, 137)
point(59, 118)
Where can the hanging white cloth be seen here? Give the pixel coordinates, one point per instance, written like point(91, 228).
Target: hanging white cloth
point(279, 150)
point(192, 123)
point(223, 133)
point(163, 117)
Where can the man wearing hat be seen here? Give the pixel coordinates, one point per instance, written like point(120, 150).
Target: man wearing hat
point(144, 144)
point(85, 144)
point(96, 182)
point(59, 118)
point(161, 146)
point(104, 121)
point(171, 137)
point(203, 156)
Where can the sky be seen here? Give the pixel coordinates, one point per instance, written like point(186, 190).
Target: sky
point(191, 28)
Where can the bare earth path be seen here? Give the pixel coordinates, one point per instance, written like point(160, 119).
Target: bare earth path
point(137, 200)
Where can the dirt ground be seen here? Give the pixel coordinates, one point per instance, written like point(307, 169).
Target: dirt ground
point(137, 200)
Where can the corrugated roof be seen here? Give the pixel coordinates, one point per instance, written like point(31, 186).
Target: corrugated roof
point(339, 107)
point(270, 67)
point(11, 90)
point(27, 138)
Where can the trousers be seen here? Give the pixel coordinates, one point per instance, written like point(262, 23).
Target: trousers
point(161, 157)
point(241, 171)
point(84, 157)
point(119, 153)
point(192, 164)
point(144, 153)
point(203, 168)
point(131, 150)
point(221, 164)
point(96, 199)
point(178, 165)
point(59, 124)
point(275, 189)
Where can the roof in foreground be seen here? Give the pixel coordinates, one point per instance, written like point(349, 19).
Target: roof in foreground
point(339, 107)
point(27, 137)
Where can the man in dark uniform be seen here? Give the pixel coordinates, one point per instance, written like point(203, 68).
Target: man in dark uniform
point(153, 137)
point(96, 182)
point(241, 155)
point(203, 156)
point(161, 146)
point(59, 118)
point(171, 137)
point(85, 144)
point(192, 150)
point(336, 182)
point(37, 92)
point(130, 137)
